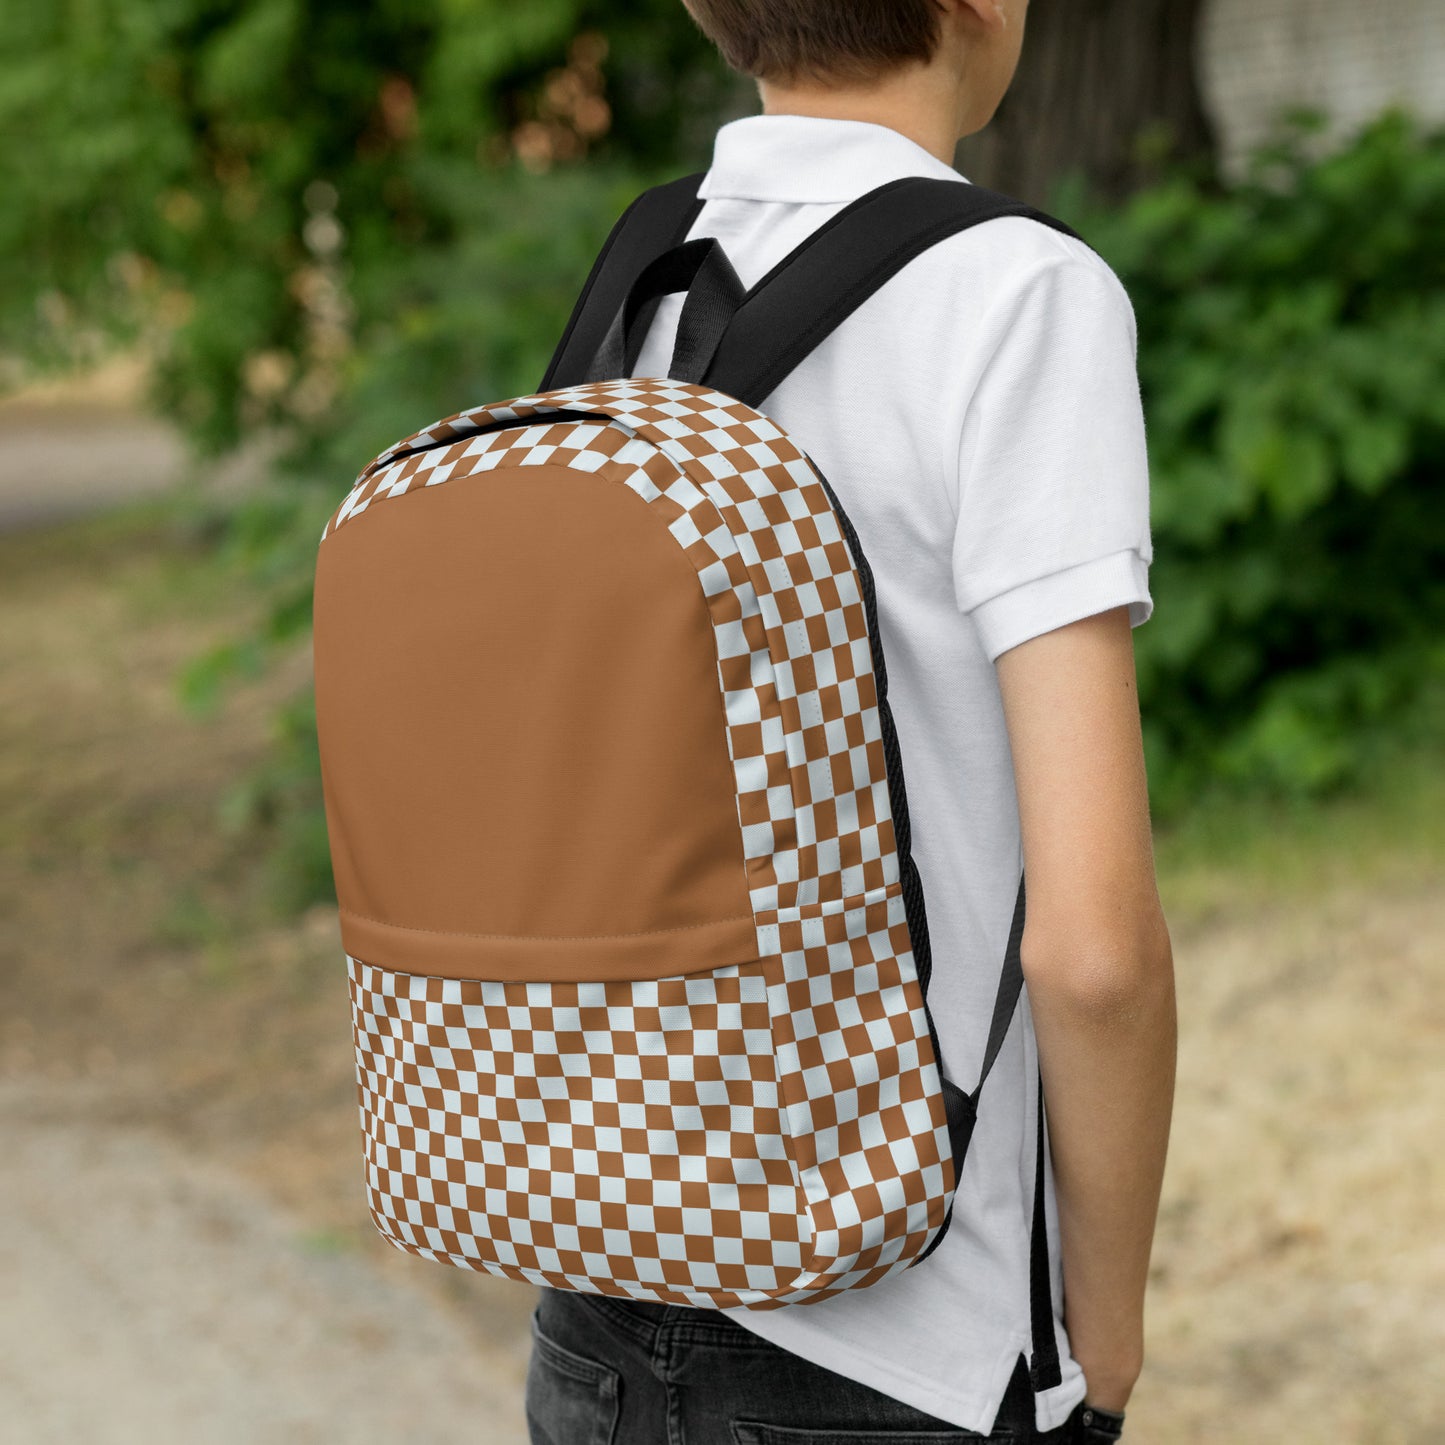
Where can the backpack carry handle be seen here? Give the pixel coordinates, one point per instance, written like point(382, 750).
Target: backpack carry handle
point(714, 293)
point(659, 218)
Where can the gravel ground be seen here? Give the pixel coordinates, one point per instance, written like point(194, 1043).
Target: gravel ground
point(153, 1298)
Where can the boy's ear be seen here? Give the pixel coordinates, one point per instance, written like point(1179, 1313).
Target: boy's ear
point(991, 13)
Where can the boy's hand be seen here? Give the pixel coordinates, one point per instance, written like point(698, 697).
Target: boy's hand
point(1108, 1383)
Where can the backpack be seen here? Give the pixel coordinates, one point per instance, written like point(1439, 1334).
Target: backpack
point(637, 948)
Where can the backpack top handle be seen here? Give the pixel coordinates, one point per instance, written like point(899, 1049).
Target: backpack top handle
point(657, 220)
point(714, 293)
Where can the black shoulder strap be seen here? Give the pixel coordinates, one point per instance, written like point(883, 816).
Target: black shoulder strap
point(1044, 1367)
point(1010, 987)
point(838, 267)
point(656, 221)
point(962, 1109)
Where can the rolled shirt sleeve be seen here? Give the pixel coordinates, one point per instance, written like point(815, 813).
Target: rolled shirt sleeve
point(1053, 505)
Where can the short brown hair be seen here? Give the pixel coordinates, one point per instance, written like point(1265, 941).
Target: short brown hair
point(790, 40)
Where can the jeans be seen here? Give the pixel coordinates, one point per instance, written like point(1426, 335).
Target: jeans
point(621, 1372)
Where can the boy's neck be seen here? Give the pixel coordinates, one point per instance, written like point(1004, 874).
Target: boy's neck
point(920, 102)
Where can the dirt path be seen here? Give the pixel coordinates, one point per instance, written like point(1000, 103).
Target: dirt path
point(151, 1297)
point(1298, 1280)
point(184, 1253)
point(76, 446)
point(48, 464)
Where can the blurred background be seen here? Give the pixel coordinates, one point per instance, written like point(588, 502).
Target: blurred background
point(245, 244)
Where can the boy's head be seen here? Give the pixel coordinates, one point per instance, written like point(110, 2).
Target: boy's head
point(839, 40)
point(967, 47)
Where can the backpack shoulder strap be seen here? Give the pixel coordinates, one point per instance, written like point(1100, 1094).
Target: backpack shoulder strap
point(655, 222)
point(839, 266)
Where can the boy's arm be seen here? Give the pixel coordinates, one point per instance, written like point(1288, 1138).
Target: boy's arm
point(1099, 967)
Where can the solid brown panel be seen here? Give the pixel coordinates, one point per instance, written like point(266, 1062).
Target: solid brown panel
point(524, 749)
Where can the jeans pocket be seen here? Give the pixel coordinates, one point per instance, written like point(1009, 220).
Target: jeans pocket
point(752, 1432)
point(570, 1399)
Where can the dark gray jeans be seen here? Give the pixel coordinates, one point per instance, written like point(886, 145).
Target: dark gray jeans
point(620, 1372)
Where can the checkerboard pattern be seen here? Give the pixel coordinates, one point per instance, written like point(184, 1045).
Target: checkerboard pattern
point(846, 1135)
point(623, 1136)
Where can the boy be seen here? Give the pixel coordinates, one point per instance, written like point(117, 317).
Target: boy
point(1010, 556)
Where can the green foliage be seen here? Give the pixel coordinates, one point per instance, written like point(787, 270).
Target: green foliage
point(345, 221)
point(264, 189)
point(1291, 350)
point(337, 220)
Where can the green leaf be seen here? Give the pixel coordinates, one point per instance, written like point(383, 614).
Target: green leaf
point(1374, 447)
point(1292, 466)
point(241, 64)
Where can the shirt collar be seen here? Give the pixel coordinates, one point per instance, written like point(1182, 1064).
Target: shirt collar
point(812, 158)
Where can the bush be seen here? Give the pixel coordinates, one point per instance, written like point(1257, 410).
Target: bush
point(333, 220)
point(263, 188)
point(346, 222)
point(1292, 359)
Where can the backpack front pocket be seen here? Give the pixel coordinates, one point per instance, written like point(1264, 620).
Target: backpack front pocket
point(616, 1137)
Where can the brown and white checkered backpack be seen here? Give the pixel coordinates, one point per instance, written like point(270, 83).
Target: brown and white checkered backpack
point(637, 948)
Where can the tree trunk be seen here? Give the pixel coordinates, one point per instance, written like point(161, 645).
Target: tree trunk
point(1106, 88)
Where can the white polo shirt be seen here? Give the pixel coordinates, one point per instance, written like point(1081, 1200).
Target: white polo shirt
point(979, 418)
